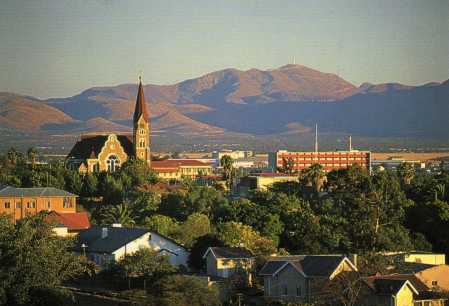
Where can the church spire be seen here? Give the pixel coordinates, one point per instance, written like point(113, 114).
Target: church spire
point(141, 108)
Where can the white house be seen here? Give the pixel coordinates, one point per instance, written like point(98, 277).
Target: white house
point(104, 244)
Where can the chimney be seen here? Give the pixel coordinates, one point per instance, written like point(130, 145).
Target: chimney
point(104, 232)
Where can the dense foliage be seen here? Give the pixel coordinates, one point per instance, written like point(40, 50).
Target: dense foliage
point(341, 211)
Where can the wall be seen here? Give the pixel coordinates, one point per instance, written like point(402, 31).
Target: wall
point(19, 209)
point(133, 246)
point(159, 242)
point(431, 259)
point(287, 278)
point(404, 297)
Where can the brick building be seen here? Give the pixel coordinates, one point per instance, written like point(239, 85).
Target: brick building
point(19, 202)
point(108, 151)
point(331, 160)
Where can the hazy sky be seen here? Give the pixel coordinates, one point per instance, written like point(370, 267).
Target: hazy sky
point(60, 47)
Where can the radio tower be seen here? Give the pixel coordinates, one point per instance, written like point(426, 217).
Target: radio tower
point(316, 138)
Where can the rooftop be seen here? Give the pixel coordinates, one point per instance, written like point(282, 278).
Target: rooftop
point(9, 191)
point(73, 221)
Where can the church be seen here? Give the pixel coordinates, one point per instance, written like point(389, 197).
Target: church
point(107, 152)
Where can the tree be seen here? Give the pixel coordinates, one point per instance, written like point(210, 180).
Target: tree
point(144, 263)
point(89, 186)
point(120, 213)
point(406, 172)
point(315, 177)
point(31, 156)
point(199, 247)
point(235, 234)
point(227, 163)
point(161, 224)
point(32, 258)
point(183, 291)
point(195, 226)
point(288, 165)
point(145, 204)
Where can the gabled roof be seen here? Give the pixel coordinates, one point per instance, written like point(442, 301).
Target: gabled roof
point(73, 221)
point(140, 109)
point(117, 237)
point(412, 267)
point(229, 253)
point(308, 265)
point(90, 146)
point(34, 192)
point(417, 283)
point(385, 286)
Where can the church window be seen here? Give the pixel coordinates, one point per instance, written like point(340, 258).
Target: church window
point(142, 143)
point(96, 167)
point(142, 131)
point(113, 163)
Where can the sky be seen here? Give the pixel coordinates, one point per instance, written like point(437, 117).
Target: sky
point(57, 48)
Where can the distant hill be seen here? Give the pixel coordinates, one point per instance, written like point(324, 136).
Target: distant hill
point(283, 101)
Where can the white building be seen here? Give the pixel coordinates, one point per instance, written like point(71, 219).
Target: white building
point(105, 244)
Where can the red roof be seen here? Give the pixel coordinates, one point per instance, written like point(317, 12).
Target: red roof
point(176, 163)
point(73, 221)
point(271, 174)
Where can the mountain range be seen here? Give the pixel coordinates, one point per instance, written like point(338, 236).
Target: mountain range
point(282, 101)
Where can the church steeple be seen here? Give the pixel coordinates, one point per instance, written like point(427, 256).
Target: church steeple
point(141, 127)
point(141, 108)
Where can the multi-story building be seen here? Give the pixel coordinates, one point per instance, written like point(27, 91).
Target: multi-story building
point(20, 202)
point(176, 169)
point(331, 160)
point(217, 155)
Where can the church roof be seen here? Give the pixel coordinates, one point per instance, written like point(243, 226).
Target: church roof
point(92, 145)
point(141, 108)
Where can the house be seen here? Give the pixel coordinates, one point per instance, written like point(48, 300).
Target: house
point(302, 278)
point(419, 257)
point(434, 277)
point(399, 290)
point(389, 292)
point(105, 244)
point(108, 151)
point(224, 262)
point(68, 224)
point(20, 202)
point(262, 181)
point(176, 169)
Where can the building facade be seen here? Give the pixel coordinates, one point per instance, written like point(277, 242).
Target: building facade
point(331, 160)
point(176, 169)
point(20, 202)
point(108, 151)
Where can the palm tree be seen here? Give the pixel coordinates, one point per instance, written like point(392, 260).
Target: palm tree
point(315, 176)
point(13, 156)
point(227, 164)
point(121, 214)
point(440, 191)
point(406, 172)
point(31, 155)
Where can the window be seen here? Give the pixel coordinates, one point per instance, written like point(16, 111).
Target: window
point(96, 167)
point(142, 143)
point(284, 290)
point(434, 283)
point(67, 203)
point(142, 131)
point(48, 204)
point(31, 204)
point(113, 163)
point(7, 205)
point(18, 205)
point(298, 291)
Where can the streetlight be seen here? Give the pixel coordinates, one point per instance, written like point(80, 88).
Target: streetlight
point(84, 246)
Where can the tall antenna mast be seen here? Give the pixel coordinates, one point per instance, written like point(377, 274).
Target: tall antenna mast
point(350, 143)
point(294, 60)
point(316, 138)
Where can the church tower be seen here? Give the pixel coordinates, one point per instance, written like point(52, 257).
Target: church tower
point(141, 127)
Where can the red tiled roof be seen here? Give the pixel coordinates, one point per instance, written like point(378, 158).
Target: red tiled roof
point(73, 221)
point(176, 163)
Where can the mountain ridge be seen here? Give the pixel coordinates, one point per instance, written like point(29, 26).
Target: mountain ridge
point(288, 99)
